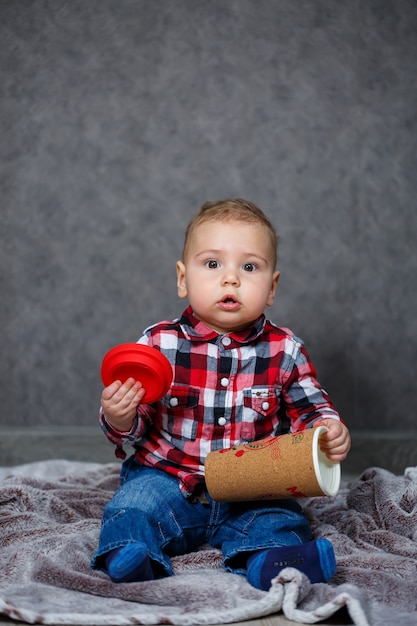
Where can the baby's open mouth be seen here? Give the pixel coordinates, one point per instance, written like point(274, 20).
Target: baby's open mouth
point(229, 303)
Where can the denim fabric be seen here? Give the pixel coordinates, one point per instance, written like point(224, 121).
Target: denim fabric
point(149, 507)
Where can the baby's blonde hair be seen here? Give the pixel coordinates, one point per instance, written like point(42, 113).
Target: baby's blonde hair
point(230, 210)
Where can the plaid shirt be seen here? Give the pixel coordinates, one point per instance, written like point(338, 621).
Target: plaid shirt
point(226, 390)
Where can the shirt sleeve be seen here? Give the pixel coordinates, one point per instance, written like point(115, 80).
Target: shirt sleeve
point(306, 402)
point(120, 437)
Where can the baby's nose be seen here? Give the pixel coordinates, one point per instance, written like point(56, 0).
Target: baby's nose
point(231, 277)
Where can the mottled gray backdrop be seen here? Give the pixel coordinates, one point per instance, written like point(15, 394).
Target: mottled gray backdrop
point(120, 117)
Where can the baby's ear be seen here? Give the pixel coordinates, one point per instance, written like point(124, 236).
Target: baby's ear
point(181, 284)
point(275, 280)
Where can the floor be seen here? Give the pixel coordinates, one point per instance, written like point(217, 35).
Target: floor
point(90, 445)
point(271, 620)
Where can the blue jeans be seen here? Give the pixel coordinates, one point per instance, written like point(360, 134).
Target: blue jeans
point(149, 507)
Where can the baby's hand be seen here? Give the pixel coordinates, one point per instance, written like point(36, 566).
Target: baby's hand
point(120, 402)
point(335, 443)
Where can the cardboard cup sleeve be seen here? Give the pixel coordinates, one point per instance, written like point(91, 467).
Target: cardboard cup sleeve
point(288, 466)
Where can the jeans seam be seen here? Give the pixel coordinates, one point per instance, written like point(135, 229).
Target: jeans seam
point(214, 519)
point(249, 522)
point(177, 525)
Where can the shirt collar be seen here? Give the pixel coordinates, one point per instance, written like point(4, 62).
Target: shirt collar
point(196, 330)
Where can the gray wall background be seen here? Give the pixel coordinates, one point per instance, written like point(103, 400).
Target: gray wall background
point(119, 118)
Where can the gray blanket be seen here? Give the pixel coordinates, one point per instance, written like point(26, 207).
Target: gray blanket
point(50, 516)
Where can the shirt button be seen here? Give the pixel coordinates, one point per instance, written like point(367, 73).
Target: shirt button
point(226, 341)
point(265, 406)
point(221, 421)
point(173, 402)
point(224, 382)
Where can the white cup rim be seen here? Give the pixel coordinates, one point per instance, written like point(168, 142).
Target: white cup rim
point(328, 474)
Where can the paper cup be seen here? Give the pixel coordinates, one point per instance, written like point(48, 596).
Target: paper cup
point(289, 466)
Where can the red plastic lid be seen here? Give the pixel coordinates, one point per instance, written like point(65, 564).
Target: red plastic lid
point(141, 362)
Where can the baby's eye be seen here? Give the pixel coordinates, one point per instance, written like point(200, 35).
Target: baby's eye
point(212, 264)
point(249, 267)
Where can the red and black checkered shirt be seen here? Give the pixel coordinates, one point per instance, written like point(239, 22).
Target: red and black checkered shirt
point(226, 390)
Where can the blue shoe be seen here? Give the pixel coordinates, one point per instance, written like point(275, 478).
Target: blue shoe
point(129, 563)
point(315, 559)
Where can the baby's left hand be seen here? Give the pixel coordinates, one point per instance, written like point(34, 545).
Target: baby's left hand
point(335, 443)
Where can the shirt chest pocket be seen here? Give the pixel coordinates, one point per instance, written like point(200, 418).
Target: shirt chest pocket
point(260, 411)
point(262, 400)
point(181, 410)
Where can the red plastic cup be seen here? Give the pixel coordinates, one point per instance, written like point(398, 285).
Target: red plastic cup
point(141, 362)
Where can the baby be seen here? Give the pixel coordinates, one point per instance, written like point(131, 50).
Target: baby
point(224, 354)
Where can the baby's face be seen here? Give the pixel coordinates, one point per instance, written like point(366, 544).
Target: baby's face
point(228, 274)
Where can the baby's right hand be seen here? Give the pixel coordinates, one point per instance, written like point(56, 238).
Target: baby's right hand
point(120, 403)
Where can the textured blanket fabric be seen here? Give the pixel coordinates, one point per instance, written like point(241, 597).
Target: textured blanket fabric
point(50, 516)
